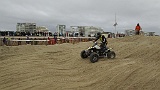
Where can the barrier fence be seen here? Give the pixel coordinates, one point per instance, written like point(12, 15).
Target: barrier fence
point(14, 41)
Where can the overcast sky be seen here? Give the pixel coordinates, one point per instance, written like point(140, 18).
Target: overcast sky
point(99, 13)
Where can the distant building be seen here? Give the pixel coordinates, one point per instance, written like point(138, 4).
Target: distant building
point(41, 29)
point(61, 30)
point(129, 32)
point(26, 27)
point(86, 30)
point(150, 33)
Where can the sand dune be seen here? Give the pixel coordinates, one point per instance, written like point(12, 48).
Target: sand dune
point(60, 67)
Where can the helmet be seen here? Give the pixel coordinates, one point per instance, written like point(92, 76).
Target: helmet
point(99, 34)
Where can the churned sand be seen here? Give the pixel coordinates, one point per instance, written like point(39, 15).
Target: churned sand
point(60, 67)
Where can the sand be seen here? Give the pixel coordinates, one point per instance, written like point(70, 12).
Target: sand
point(60, 67)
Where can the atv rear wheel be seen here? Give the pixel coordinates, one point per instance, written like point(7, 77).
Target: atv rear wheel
point(83, 54)
point(94, 57)
point(111, 55)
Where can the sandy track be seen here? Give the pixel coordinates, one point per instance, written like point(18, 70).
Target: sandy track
point(60, 67)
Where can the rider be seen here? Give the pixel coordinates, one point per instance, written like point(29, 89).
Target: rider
point(103, 40)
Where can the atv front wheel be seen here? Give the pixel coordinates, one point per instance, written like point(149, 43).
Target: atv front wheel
point(111, 55)
point(94, 57)
point(83, 54)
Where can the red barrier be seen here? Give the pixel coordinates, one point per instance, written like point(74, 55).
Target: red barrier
point(49, 42)
point(53, 41)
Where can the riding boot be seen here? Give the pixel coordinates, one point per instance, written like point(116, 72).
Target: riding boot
point(104, 50)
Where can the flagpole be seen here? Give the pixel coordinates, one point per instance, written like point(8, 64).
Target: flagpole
point(115, 25)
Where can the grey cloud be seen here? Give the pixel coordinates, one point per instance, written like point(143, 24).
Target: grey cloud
point(82, 12)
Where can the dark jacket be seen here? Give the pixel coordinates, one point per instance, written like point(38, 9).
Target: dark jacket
point(102, 39)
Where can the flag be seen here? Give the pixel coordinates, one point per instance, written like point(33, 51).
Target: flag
point(115, 24)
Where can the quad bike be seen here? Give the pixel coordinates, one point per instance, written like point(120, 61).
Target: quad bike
point(95, 52)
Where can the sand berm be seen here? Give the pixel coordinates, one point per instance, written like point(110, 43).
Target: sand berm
point(60, 67)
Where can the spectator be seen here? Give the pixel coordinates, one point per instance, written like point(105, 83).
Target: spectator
point(9, 41)
point(19, 42)
point(137, 29)
point(4, 41)
point(55, 37)
point(28, 40)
